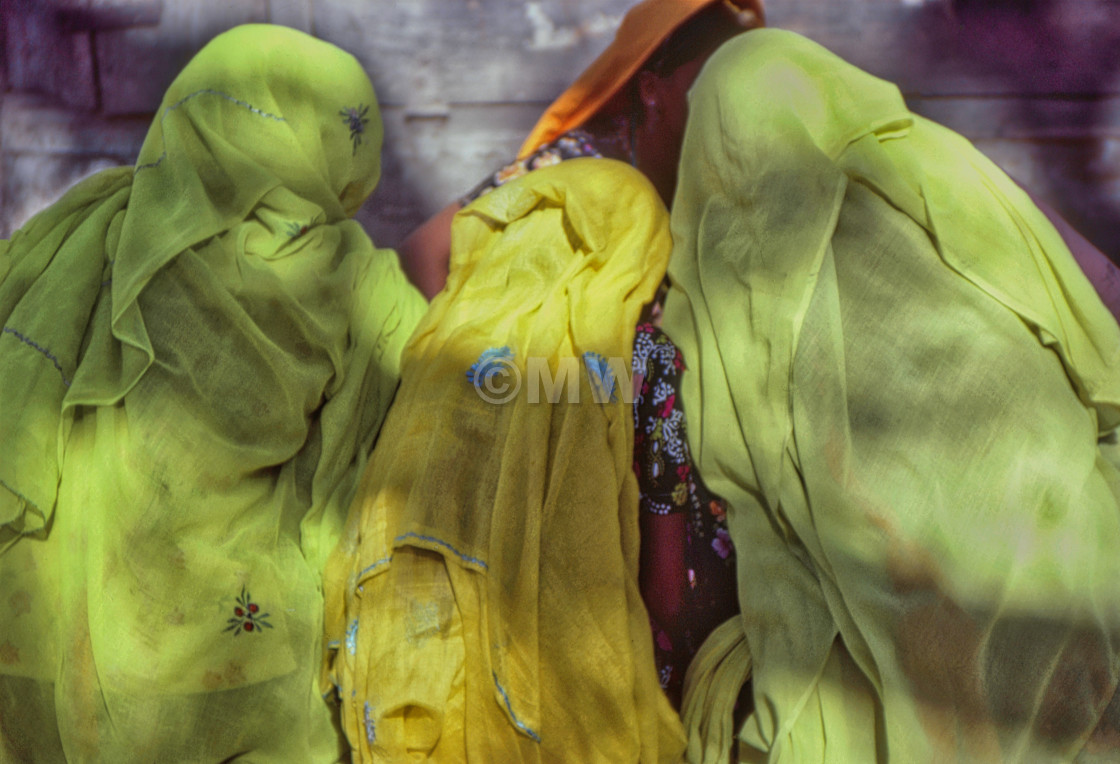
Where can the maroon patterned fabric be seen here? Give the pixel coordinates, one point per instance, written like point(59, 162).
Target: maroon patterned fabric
point(687, 561)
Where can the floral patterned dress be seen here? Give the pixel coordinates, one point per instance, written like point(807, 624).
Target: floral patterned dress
point(687, 560)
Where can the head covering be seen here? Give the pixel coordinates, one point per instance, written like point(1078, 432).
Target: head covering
point(643, 29)
point(263, 146)
point(196, 356)
point(245, 118)
point(908, 393)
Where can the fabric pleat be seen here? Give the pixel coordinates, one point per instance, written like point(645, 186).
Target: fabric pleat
point(197, 354)
point(909, 394)
point(484, 600)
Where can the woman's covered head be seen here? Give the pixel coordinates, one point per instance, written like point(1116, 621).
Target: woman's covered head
point(699, 35)
point(262, 106)
point(653, 106)
point(632, 97)
point(664, 32)
point(266, 133)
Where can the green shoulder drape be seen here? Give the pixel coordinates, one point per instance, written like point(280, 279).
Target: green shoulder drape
point(196, 356)
point(909, 394)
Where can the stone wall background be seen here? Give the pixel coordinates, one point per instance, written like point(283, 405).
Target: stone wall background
point(1034, 83)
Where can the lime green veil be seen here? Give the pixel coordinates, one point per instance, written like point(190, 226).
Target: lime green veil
point(246, 147)
point(909, 394)
point(196, 356)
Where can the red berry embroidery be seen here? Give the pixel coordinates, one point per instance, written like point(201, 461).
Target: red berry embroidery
point(296, 229)
point(247, 616)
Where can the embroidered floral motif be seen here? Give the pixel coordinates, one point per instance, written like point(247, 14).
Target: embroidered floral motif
point(665, 674)
point(604, 387)
point(680, 494)
point(670, 486)
point(491, 362)
point(352, 637)
point(295, 230)
point(664, 392)
point(672, 428)
point(722, 543)
point(247, 616)
point(509, 172)
point(663, 640)
point(356, 120)
point(370, 724)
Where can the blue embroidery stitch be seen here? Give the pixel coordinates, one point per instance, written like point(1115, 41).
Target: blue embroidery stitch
point(352, 637)
point(183, 100)
point(491, 362)
point(601, 376)
point(520, 724)
point(295, 230)
point(49, 355)
point(464, 557)
point(371, 726)
point(375, 564)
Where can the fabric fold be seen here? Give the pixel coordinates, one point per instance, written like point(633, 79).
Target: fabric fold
point(907, 391)
point(712, 685)
point(209, 349)
point(501, 493)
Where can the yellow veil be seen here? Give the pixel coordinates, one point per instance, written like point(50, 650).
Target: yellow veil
point(485, 597)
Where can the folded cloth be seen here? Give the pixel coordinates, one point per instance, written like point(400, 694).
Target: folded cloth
point(909, 394)
point(196, 356)
point(484, 600)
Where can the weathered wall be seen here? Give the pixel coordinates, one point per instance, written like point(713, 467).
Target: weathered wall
point(1033, 82)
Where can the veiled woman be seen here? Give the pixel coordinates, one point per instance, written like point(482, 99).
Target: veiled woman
point(909, 394)
point(486, 603)
point(196, 356)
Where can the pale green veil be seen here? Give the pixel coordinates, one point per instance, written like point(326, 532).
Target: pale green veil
point(263, 146)
point(908, 392)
